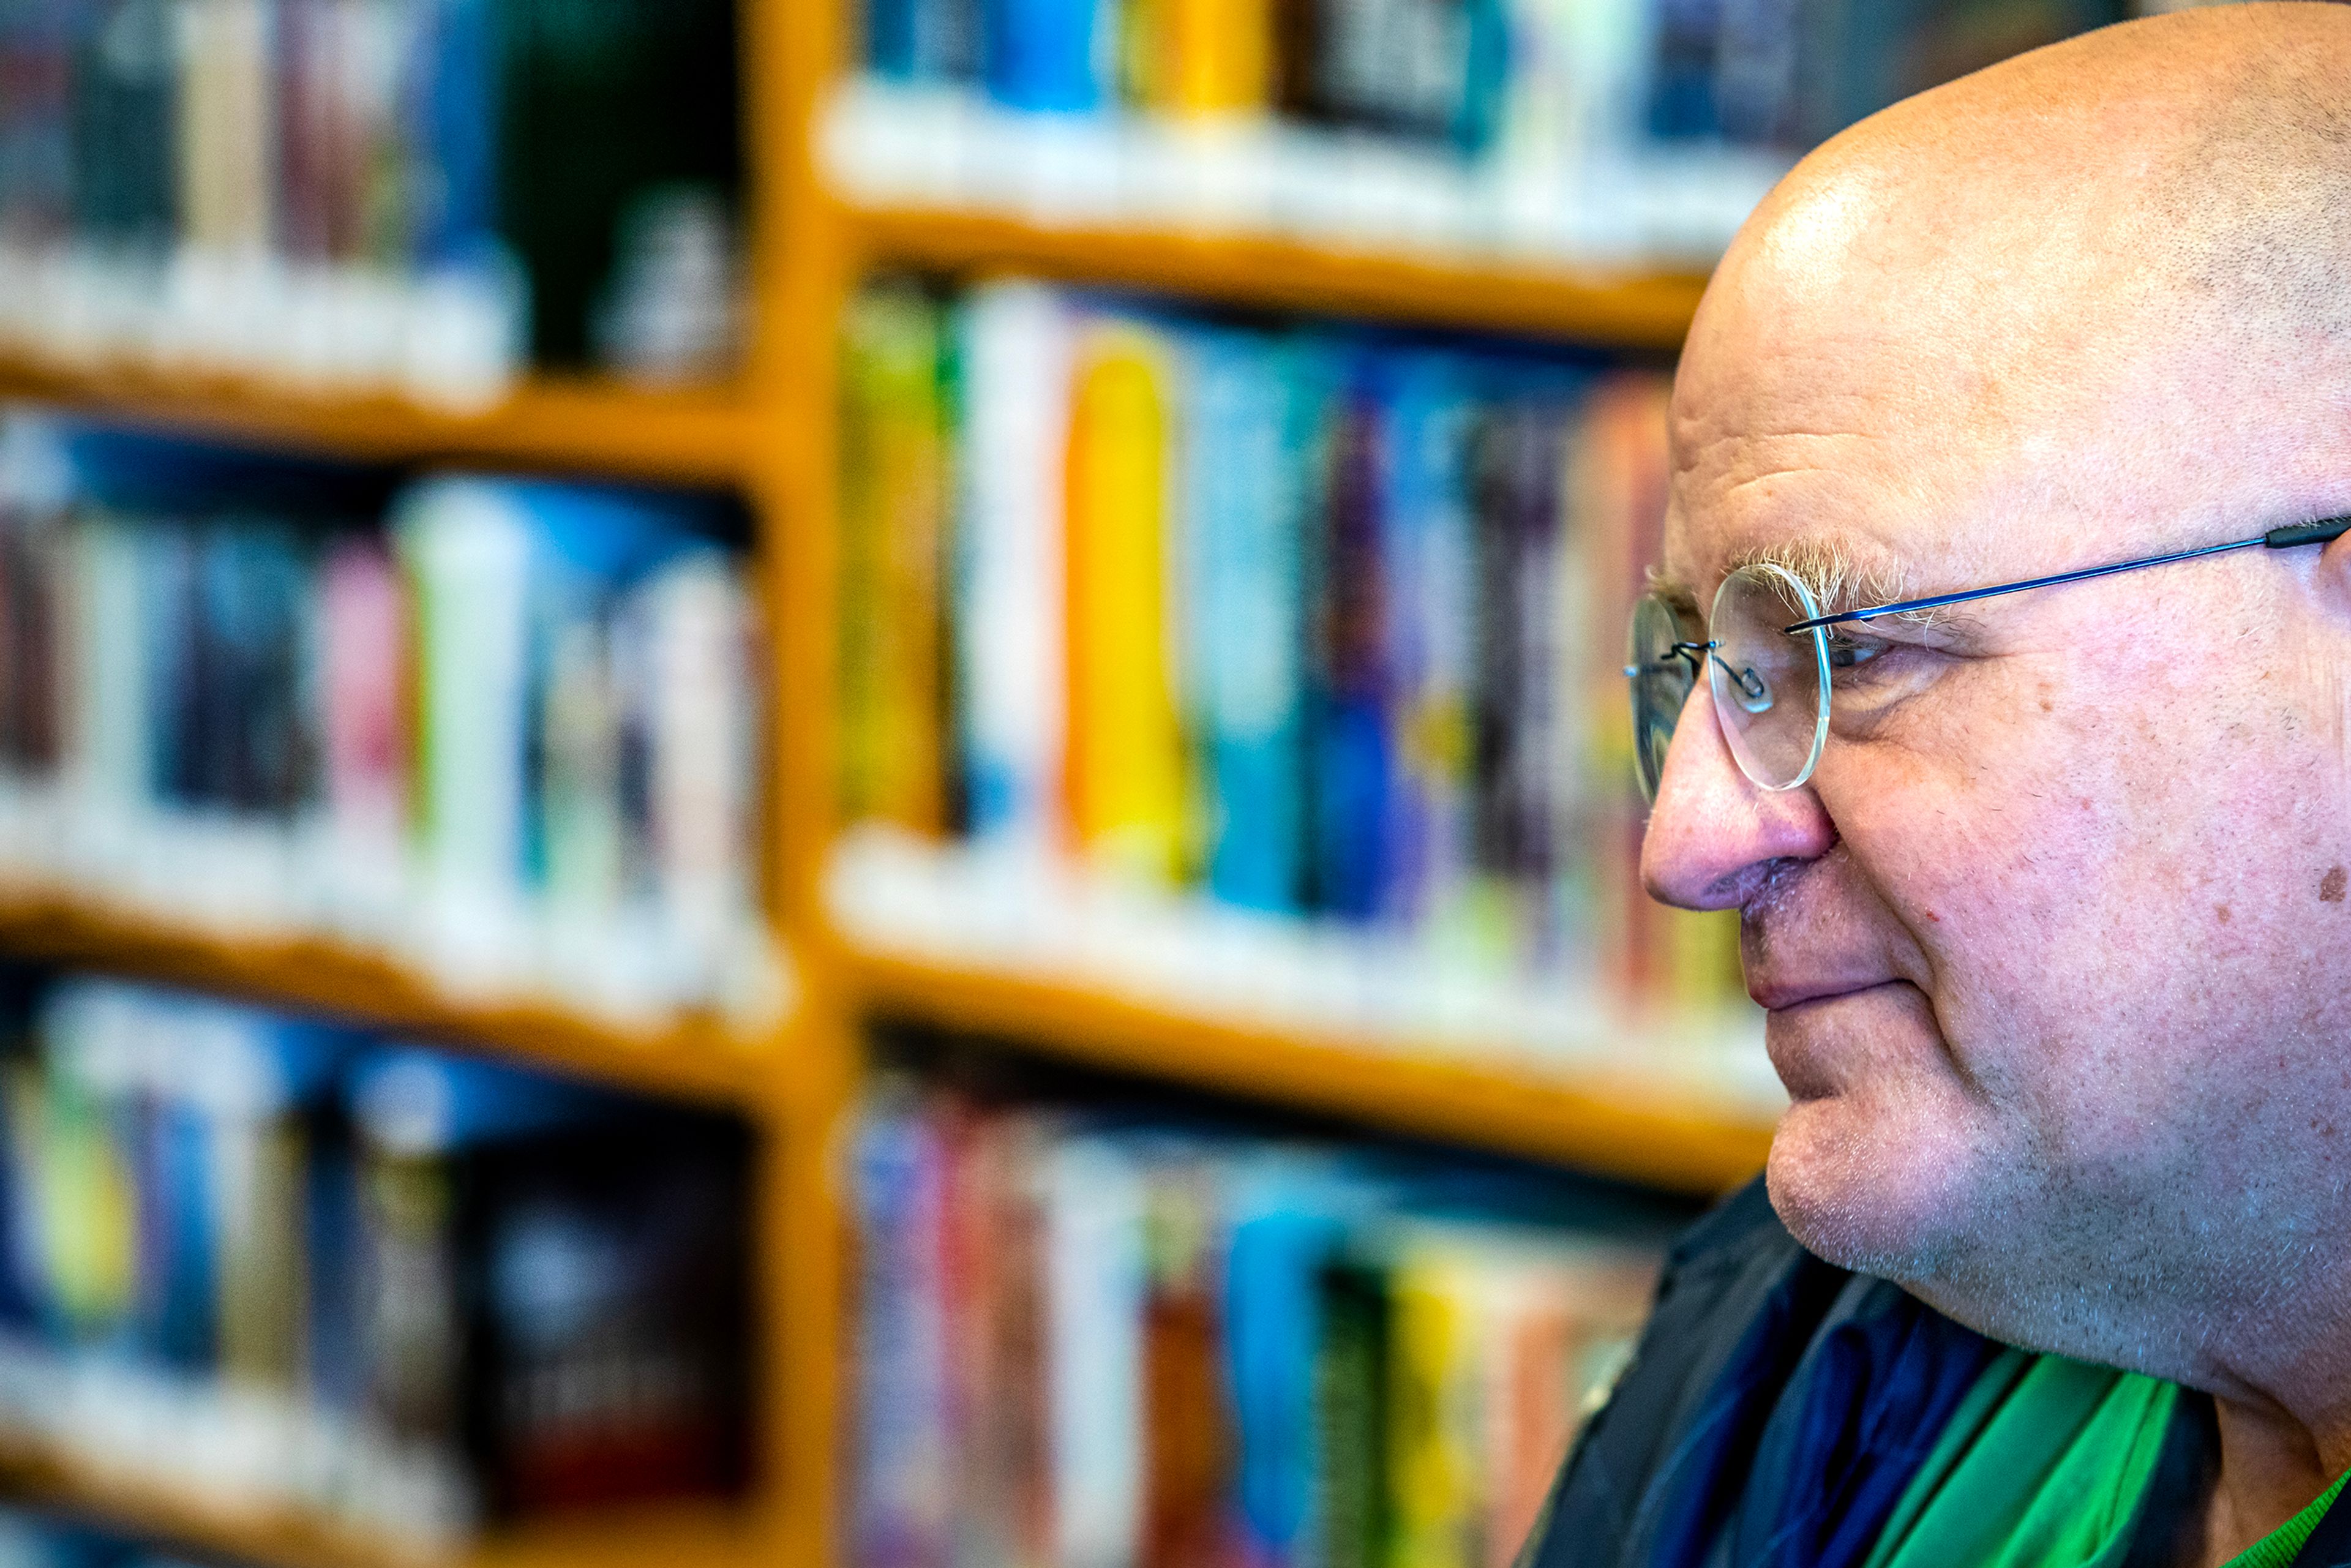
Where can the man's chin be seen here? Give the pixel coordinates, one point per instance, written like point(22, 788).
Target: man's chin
point(1869, 1191)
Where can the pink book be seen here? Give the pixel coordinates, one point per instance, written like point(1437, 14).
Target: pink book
point(362, 658)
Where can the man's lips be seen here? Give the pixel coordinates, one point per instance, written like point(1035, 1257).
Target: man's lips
point(1781, 995)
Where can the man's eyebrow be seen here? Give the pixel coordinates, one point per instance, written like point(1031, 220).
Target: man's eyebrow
point(1837, 579)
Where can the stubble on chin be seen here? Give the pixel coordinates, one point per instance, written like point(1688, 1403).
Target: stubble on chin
point(1879, 1188)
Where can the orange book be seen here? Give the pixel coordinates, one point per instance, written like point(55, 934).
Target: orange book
point(1124, 771)
point(1619, 475)
point(1219, 56)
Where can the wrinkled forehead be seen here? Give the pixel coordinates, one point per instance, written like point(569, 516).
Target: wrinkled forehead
point(1869, 488)
point(1883, 444)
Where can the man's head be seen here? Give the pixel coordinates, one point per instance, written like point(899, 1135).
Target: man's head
point(2056, 941)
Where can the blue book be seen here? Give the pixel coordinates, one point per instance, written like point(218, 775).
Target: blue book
point(451, 113)
point(1055, 56)
point(1351, 751)
point(166, 554)
point(1248, 446)
point(1424, 522)
point(920, 40)
point(179, 1207)
point(250, 741)
point(1289, 1223)
point(903, 1444)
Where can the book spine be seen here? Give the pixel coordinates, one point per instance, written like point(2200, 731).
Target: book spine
point(35, 494)
point(450, 114)
point(903, 1500)
point(37, 59)
point(1053, 56)
point(896, 452)
point(108, 732)
point(1281, 1242)
point(1432, 1459)
point(126, 128)
point(1352, 1428)
point(1250, 433)
point(1016, 356)
point(174, 655)
point(583, 826)
point(1220, 56)
point(1124, 772)
point(1348, 611)
point(362, 652)
point(1188, 1443)
point(705, 747)
point(227, 118)
point(465, 552)
point(1094, 1282)
point(1424, 556)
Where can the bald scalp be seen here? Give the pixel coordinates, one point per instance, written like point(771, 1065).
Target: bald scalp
point(2254, 209)
point(2136, 242)
point(2201, 159)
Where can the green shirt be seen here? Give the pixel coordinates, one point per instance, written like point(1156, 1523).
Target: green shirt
point(2044, 1465)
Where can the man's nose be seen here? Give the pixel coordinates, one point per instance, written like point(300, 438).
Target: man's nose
point(1714, 831)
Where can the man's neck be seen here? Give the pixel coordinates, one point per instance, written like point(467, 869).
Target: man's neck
point(2272, 1467)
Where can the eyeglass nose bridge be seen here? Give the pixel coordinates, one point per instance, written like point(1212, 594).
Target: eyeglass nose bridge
point(1691, 653)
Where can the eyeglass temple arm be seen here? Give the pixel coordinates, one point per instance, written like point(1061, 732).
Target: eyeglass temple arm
point(2319, 532)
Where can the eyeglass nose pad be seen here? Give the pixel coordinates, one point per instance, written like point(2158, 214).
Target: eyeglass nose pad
point(1754, 691)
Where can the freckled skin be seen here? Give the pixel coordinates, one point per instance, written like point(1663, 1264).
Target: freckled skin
point(2032, 1082)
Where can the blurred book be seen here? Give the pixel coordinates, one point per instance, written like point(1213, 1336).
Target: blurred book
point(505, 729)
point(1600, 132)
point(420, 196)
point(31, 1538)
point(278, 1265)
point(1088, 1337)
point(1311, 633)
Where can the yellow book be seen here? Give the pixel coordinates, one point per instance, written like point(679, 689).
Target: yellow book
point(1123, 769)
point(1433, 1415)
point(1219, 56)
point(893, 503)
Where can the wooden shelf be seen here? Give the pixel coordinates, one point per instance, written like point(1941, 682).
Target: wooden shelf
point(704, 1535)
point(696, 437)
point(1620, 1128)
point(1637, 312)
point(699, 1058)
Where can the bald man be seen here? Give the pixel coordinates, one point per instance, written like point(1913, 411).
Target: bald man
point(2049, 906)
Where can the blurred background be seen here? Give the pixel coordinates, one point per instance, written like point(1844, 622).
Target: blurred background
point(845, 781)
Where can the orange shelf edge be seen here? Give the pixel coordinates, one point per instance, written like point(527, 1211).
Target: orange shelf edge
point(690, 1536)
point(702, 436)
point(1631, 312)
point(1617, 1129)
point(698, 1058)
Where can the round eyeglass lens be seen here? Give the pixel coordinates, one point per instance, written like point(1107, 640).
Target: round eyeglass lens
point(1770, 689)
point(1661, 681)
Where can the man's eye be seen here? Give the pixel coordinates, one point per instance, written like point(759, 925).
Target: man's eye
point(1851, 652)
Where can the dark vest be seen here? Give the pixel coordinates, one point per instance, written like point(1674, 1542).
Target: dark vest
point(1777, 1408)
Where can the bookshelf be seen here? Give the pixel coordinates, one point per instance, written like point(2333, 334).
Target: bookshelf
point(1624, 311)
point(1617, 1124)
point(795, 1070)
point(265, 1539)
point(704, 1058)
point(693, 436)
